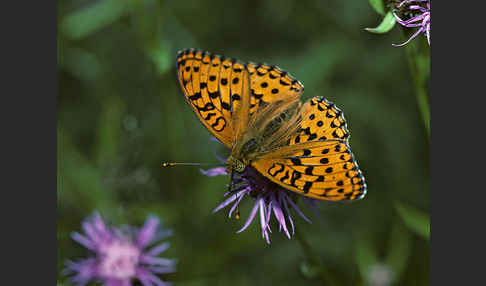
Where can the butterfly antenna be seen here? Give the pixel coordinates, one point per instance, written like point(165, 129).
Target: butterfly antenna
point(172, 164)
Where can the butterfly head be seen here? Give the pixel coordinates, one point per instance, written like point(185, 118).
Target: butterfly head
point(233, 164)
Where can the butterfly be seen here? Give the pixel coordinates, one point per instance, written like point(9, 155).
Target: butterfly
point(255, 111)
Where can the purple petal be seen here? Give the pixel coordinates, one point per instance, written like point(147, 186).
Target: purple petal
point(284, 201)
point(220, 159)
point(408, 41)
point(84, 270)
point(163, 234)
point(239, 188)
point(227, 201)
point(281, 218)
point(262, 216)
point(99, 224)
point(156, 260)
point(312, 205)
point(250, 218)
point(425, 20)
point(118, 282)
point(267, 238)
point(296, 208)
point(93, 234)
point(415, 19)
point(158, 249)
point(240, 197)
point(268, 215)
point(147, 278)
point(417, 7)
point(409, 1)
point(214, 171)
point(147, 232)
point(142, 277)
point(156, 280)
point(81, 239)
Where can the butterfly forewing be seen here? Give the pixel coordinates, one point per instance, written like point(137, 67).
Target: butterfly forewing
point(212, 85)
point(203, 78)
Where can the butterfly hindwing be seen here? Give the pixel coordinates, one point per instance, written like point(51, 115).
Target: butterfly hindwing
point(318, 161)
point(321, 120)
point(322, 169)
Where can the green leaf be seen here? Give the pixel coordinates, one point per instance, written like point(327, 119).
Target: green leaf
point(385, 26)
point(416, 220)
point(92, 18)
point(161, 57)
point(378, 6)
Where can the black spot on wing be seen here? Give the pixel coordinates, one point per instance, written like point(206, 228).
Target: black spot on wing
point(195, 96)
point(285, 177)
point(207, 107)
point(275, 169)
point(295, 176)
point(219, 126)
point(307, 187)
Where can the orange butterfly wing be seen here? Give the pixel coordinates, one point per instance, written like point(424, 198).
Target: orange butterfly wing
point(318, 161)
point(212, 85)
point(269, 84)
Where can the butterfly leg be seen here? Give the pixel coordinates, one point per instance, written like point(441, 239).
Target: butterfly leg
point(230, 190)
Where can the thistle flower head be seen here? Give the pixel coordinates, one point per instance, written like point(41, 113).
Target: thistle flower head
point(269, 198)
point(418, 16)
point(120, 254)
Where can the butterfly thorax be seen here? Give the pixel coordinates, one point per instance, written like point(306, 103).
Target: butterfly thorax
point(242, 156)
point(234, 164)
point(254, 145)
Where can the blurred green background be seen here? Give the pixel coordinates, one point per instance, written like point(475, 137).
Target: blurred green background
point(121, 113)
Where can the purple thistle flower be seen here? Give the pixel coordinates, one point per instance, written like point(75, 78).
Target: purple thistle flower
point(420, 18)
point(269, 198)
point(120, 254)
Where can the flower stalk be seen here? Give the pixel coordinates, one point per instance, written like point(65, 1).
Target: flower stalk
point(420, 86)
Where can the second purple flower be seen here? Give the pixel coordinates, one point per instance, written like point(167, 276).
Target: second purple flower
point(121, 254)
point(418, 16)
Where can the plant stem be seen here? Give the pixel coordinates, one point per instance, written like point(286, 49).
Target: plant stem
point(418, 79)
point(314, 260)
